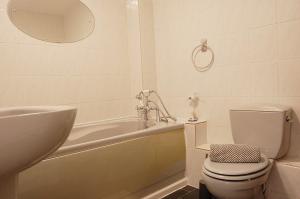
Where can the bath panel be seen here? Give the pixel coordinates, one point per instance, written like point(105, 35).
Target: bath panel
point(114, 171)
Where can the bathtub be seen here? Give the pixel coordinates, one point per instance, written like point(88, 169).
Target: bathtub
point(87, 136)
point(117, 159)
point(284, 180)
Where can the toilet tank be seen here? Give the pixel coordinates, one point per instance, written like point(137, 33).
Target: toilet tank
point(267, 127)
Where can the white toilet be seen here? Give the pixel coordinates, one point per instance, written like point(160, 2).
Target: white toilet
point(267, 127)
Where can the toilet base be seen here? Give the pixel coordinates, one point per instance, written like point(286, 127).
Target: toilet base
point(236, 190)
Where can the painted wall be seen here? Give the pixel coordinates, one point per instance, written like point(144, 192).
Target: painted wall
point(257, 58)
point(80, 74)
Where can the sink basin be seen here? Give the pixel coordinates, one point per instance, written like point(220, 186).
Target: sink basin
point(29, 134)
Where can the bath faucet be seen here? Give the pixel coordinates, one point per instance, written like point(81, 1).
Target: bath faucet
point(146, 106)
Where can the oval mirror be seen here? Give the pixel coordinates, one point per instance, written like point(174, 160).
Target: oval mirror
point(58, 21)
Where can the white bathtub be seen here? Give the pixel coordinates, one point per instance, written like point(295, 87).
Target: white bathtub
point(117, 159)
point(88, 136)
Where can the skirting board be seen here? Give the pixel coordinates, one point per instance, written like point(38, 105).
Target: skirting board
point(168, 189)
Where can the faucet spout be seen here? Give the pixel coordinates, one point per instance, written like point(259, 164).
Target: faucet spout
point(145, 106)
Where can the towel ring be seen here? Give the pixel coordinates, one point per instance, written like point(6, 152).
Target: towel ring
point(203, 47)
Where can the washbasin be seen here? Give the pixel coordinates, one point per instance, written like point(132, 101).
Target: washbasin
point(30, 134)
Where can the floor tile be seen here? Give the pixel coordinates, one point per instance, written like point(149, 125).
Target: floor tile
point(177, 194)
point(192, 195)
point(190, 192)
point(189, 188)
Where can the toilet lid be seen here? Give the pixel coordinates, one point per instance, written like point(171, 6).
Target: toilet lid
point(235, 169)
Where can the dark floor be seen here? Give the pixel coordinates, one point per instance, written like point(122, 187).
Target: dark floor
point(190, 192)
point(187, 192)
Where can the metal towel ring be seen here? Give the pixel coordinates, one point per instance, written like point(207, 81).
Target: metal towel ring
point(203, 47)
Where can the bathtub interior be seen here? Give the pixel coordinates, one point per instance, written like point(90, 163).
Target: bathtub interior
point(114, 171)
point(88, 133)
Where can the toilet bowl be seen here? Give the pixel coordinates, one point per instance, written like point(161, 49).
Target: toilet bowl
point(236, 180)
point(267, 127)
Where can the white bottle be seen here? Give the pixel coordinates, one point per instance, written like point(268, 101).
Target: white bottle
point(193, 103)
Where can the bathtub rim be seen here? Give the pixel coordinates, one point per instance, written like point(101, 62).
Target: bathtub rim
point(90, 145)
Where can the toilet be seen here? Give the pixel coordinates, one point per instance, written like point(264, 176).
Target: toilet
point(267, 127)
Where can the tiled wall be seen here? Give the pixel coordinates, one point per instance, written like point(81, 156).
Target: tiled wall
point(93, 74)
point(257, 58)
point(147, 44)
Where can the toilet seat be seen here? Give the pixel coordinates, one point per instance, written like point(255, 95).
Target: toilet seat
point(236, 171)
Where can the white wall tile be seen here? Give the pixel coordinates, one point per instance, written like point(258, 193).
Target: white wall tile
point(91, 111)
point(256, 44)
point(248, 39)
point(219, 135)
point(218, 82)
point(241, 82)
point(8, 58)
point(288, 9)
point(88, 73)
point(231, 50)
point(264, 79)
point(289, 81)
point(262, 44)
point(262, 12)
point(289, 40)
point(14, 95)
point(7, 32)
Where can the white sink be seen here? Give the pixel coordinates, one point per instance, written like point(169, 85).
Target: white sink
point(30, 134)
